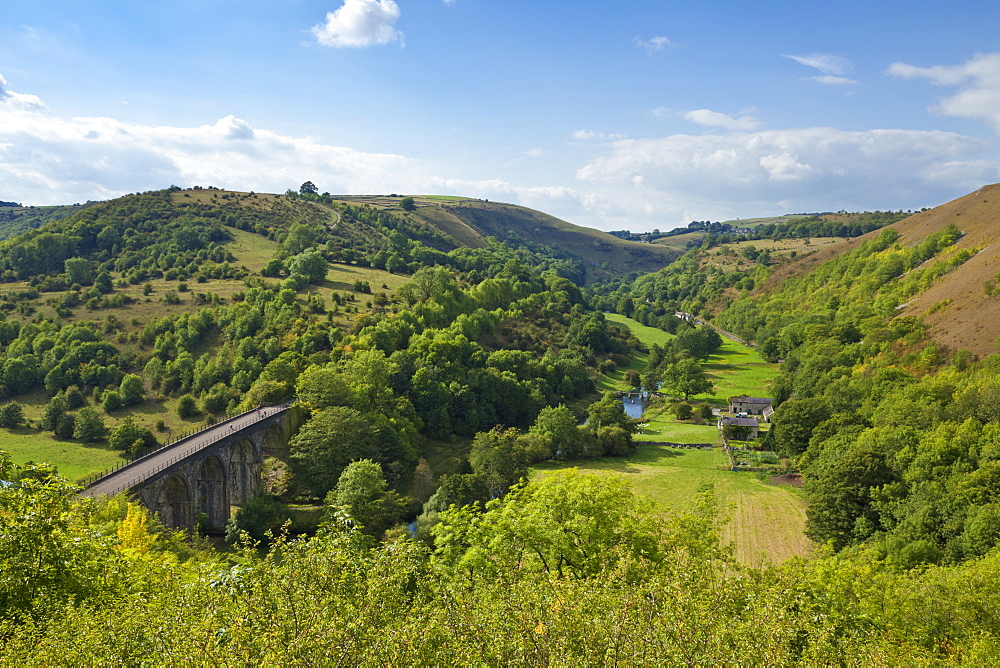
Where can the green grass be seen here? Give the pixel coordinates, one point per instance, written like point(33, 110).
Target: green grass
point(72, 459)
point(637, 360)
point(763, 522)
point(737, 369)
point(648, 335)
point(662, 426)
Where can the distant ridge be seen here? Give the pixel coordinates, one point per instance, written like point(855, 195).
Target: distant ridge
point(470, 221)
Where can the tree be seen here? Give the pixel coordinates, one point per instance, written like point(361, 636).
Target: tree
point(499, 455)
point(331, 440)
point(841, 508)
point(793, 424)
point(362, 491)
point(111, 401)
point(558, 426)
point(406, 204)
point(565, 524)
point(308, 188)
point(79, 270)
point(11, 415)
point(130, 437)
point(261, 515)
point(685, 377)
point(310, 264)
point(187, 407)
point(54, 410)
point(131, 389)
point(609, 412)
point(322, 387)
point(89, 425)
point(103, 283)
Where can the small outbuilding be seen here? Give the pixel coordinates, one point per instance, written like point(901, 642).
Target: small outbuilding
point(739, 428)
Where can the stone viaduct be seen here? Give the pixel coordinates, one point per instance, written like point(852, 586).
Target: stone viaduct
point(201, 475)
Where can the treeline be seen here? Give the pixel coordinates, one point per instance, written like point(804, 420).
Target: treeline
point(683, 286)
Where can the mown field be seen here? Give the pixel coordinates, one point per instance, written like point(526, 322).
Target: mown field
point(764, 522)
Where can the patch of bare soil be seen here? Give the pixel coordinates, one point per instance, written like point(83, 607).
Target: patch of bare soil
point(793, 479)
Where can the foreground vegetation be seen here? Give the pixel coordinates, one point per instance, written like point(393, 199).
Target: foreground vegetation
point(568, 569)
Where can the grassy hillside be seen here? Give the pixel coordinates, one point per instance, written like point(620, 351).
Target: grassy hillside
point(956, 305)
point(470, 221)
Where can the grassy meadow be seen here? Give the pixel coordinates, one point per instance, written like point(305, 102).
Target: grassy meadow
point(762, 521)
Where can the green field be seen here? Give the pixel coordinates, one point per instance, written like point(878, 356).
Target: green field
point(73, 460)
point(764, 522)
point(737, 369)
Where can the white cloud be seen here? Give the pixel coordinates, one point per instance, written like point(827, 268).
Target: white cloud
point(11, 100)
point(685, 177)
point(979, 95)
point(653, 44)
point(717, 119)
point(590, 135)
point(827, 63)
point(359, 23)
point(831, 80)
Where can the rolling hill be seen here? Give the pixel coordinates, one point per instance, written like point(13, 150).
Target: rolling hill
point(470, 221)
point(956, 306)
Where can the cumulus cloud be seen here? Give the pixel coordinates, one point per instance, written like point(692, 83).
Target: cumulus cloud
point(779, 171)
point(717, 119)
point(359, 23)
point(49, 160)
point(979, 79)
point(11, 100)
point(653, 44)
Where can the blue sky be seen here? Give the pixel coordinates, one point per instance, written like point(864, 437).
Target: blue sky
point(637, 114)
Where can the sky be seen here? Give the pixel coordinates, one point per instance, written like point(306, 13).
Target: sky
point(638, 114)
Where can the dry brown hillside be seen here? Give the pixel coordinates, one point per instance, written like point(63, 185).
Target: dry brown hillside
point(971, 319)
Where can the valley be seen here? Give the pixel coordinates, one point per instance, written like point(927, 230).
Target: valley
point(454, 367)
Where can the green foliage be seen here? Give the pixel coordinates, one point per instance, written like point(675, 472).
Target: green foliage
point(130, 437)
point(310, 264)
point(686, 378)
point(131, 389)
point(187, 407)
point(500, 456)
point(11, 415)
point(362, 491)
point(88, 426)
point(260, 518)
point(406, 204)
point(334, 438)
point(566, 524)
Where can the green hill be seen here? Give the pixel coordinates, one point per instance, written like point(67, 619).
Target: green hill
point(471, 221)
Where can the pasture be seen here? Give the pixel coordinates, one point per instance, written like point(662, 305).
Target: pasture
point(763, 522)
